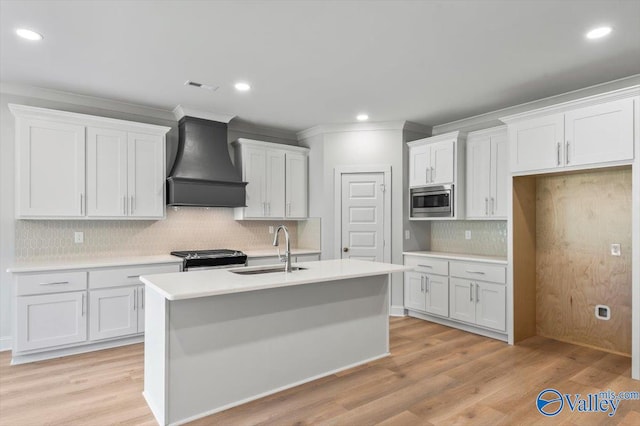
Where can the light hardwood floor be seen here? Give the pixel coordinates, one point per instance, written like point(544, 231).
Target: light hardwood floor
point(435, 375)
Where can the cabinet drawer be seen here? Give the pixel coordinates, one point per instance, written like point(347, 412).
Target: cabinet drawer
point(427, 264)
point(479, 271)
point(51, 282)
point(117, 277)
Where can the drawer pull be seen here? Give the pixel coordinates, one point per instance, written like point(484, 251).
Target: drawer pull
point(426, 266)
point(56, 283)
point(133, 276)
point(475, 272)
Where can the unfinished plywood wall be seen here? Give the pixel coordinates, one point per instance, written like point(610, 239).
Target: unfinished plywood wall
point(578, 216)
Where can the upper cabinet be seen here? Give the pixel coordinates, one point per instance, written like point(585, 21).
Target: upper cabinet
point(586, 133)
point(276, 177)
point(80, 166)
point(487, 174)
point(432, 162)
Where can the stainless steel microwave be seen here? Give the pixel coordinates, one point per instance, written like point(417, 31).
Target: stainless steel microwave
point(431, 201)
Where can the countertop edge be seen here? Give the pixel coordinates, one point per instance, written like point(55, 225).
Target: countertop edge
point(459, 256)
point(66, 265)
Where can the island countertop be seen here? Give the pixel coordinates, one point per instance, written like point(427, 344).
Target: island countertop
point(215, 282)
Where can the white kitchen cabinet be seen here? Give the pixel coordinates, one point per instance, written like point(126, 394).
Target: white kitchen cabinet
point(479, 303)
point(419, 162)
point(487, 174)
point(276, 177)
point(414, 297)
point(573, 135)
point(431, 163)
point(113, 312)
point(462, 306)
point(50, 168)
point(426, 292)
point(50, 320)
point(125, 166)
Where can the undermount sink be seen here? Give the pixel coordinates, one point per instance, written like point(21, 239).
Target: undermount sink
point(265, 270)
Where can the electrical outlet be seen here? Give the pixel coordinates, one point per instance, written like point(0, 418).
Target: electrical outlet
point(78, 237)
point(467, 235)
point(615, 249)
point(407, 234)
point(271, 231)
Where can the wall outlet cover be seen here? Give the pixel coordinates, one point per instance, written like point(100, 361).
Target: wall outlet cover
point(603, 312)
point(467, 235)
point(615, 249)
point(407, 234)
point(78, 237)
point(271, 231)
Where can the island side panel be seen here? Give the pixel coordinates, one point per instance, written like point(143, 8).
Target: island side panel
point(229, 349)
point(155, 354)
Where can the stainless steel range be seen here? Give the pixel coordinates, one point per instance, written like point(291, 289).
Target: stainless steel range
point(196, 260)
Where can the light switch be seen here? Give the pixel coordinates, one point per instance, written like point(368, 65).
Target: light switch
point(615, 249)
point(78, 237)
point(271, 229)
point(407, 234)
point(467, 235)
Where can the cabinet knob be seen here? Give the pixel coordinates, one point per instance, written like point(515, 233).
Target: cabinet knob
point(345, 249)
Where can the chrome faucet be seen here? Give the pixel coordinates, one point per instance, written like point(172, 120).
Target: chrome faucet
point(287, 253)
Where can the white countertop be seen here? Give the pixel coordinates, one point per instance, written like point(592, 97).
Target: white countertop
point(214, 282)
point(459, 256)
point(99, 262)
point(273, 252)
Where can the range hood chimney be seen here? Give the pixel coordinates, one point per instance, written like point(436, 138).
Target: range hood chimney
point(203, 174)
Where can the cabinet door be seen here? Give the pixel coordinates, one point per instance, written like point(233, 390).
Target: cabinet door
point(418, 164)
point(113, 312)
point(414, 287)
point(442, 163)
point(106, 172)
point(491, 305)
point(296, 185)
point(145, 175)
point(50, 320)
point(254, 172)
point(537, 144)
point(51, 168)
point(499, 177)
point(437, 290)
point(479, 174)
point(462, 300)
point(600, 133)
point(275, 183)
point(140, 302)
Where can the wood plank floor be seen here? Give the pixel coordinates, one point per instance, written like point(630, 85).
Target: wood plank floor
point(435, 376)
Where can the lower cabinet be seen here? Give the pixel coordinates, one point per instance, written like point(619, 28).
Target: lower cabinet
point(427, 292)
point(116, 312)
point(478, 303)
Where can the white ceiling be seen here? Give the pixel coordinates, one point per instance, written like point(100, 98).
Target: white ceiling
point(320, 62)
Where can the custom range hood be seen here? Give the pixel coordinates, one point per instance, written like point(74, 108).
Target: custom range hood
point(203, 174)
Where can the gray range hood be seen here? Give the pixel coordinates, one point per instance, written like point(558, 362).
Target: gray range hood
point(203, 174)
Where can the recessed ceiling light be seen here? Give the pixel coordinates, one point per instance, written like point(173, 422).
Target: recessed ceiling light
point(598, 33)
point(29, 34)
point(242, 87)
point(362, 117)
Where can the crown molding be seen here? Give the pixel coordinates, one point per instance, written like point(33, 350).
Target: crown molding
point(240, 126)
point(363, 127)
point(438, 138)
point(270, 145)
point(488, 131)
point(181, 111)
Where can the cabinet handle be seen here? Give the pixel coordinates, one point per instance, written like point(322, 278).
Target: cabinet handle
point(474, 272)
point(56, 283)
point(566, 154)
point(124, 205)
point(426, 174)
point(558, 152)
point(82, 304)
point(133, 276)
point(493, 206)
point(81, 203)
point(477, 293)
point(486, 206)
point(426, 266)
point(135, 299)
point(132, 204)
point(421, 284)
point(470, 292)
point(426, 285)
point(142, 296)
point(269, 208)
point(289, 209)
point(433, 174)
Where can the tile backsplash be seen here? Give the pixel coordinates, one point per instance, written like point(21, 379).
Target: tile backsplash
point(183, 229)
point(487, 237)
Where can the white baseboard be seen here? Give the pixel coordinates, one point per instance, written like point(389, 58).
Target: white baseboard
point(397, 311)
point(5, 343)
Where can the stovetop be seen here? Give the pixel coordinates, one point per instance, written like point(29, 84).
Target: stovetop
point(207, 254)
point(198, 259)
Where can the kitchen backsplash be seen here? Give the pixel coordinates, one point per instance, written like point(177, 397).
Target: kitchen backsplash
point(183, 229)
point(487, 237)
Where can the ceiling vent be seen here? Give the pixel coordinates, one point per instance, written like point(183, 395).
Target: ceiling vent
point(200, 85)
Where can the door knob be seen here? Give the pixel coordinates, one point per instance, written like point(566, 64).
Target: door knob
point(345, 249)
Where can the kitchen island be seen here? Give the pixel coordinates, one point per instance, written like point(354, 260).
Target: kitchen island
point(215, 339)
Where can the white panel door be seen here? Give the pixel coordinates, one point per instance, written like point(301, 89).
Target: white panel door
point(51, 168)
point(50, 320)
point(414, 291)
point(442, 162)
point(418, 164)
point(499, 176)
point(275, 183)
point(255, 174)
point(106, 172)
point(437, 291)
point(296, 185)
point(362, 216)
point(600, 133)
point(113, 312)
point(145, 175)
point(491, 305)
point(478, 177)
point(462, 300)
point(537, 144)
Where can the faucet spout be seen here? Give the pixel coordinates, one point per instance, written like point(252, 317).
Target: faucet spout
point(287, 253)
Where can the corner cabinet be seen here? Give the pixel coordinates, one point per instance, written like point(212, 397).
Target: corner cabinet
point(592, 132)
point(487, 174)
point(277, 180)
point(76, 166)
